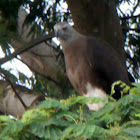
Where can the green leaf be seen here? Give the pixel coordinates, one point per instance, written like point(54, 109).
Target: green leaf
point(4, 118)
point(135, 89)
point(52, 103)
point(13, 128)
point(32, 114)
point(50, 132)
point(5, 45)
point(84, 131)
point(56, 122)
point(6, 138)
point(82, 100)
point(23, 78)
point(68, 131)
point(9, 75)
point(137, 115)
point(133, 131)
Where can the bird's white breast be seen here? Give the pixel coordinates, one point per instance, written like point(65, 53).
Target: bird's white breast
point(95, 92)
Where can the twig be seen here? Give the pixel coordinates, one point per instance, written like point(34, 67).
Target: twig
point(133, 29)
point(27, 47)
point(13, 88)
point(128, 17)
point(17, 94)
point(135, 7)
point(121, 11)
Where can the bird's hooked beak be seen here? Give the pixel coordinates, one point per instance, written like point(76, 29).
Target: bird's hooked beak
point(57, 33)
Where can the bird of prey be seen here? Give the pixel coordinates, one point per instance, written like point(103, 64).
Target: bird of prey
point(92, 65)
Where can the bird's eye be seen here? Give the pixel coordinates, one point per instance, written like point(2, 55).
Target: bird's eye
point(65, 29)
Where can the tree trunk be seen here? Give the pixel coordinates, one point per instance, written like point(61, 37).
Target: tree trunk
point(98, 18)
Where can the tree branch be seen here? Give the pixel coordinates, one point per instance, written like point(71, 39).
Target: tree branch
point(121, 11)
point(17, 94)
point(13, 88)
point(27, 47)
point(128, 17)
point(133, 29)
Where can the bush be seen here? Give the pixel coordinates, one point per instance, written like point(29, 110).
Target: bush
point(71, 119)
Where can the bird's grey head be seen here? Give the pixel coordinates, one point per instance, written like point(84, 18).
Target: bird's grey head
point(64, 32)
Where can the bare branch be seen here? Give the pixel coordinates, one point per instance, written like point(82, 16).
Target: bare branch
point(11, 105)
point(12, 86)
point(27, 47)
point(128, 17)
point(135, 7)
point(121, 11)
point(133, 29)
point(17, 94)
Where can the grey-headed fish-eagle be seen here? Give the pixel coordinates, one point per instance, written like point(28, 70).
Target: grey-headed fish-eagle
point(92, 65)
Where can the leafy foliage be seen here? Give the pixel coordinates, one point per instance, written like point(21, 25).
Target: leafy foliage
point(8, 75)
point(70, 119)
point(129, 21)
